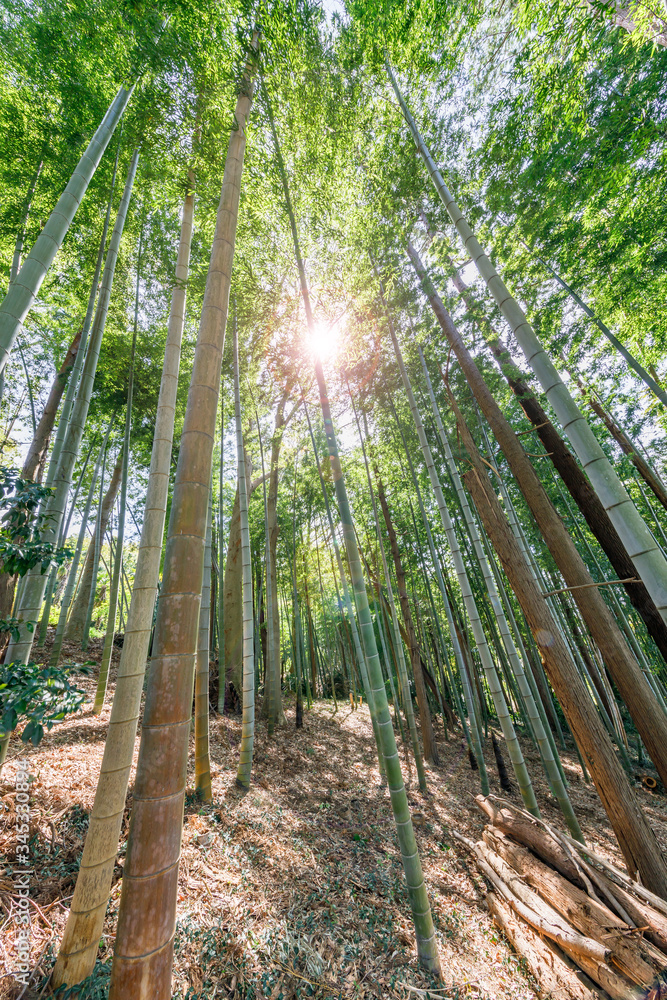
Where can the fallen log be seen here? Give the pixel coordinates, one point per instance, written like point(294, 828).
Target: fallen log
point(639, 960)
point(642, 914)
point(642, 906)
point(522, 829)
point(534, 910)
point(617, 986)
point(590, 911)
point(655, 902)
point(588, 955)
point(558, 976)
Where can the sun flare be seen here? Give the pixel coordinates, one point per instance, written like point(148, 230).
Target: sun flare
point(324, 341)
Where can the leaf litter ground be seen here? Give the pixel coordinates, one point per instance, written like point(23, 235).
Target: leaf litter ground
point(295, 888)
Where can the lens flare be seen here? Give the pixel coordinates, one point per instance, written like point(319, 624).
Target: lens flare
point(323, 342)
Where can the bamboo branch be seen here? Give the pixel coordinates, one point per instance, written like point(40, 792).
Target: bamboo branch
point(584, 586)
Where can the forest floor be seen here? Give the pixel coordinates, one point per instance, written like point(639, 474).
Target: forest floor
point(293, 889)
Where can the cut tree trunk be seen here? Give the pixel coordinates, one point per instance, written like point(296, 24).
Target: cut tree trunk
point(530, 833)
point(639, 960)
point(557, 975)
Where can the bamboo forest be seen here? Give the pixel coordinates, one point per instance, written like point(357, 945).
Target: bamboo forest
point(333, 499)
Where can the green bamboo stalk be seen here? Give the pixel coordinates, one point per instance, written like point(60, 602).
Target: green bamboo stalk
point(97, 542)
point(604, 329)
point(402, 670)
point(419, 903)
point(500, 704)
point(518, 535)
point(384, 639)
point(469, 696)
point(25, 212)
point(35, 581)
point(25, 286)
point(298, 640)
point(73, 381)
point(360, 659)
point(248, 723)
point(550, 766)
point(107, 649)
point(421, 911)
point(72, 576)
point(324, 616)
point(269, 680)
point(509, 611)
point(53, 572)
point(648, 558)
point(202, 757)
point(552, 605)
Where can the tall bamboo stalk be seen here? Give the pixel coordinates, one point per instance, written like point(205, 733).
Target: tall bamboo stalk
point(147, 918)
point(221, 559)
point(202, 757)
point(33, 466)
point(23, 290)
point(25, 215)
point(360, 659)
point(500, 704)
point(548, 758)
point(86, 917)
point(72, 575)
point(421, 910)
point(648, 558)
point(635, 836)
point(35, 585)
point(271, 652)
point(248, 723)
point(401, 666)
point(632, 362)
point(570, 472)
point(73, 383)
point(53, 574)
point(91, 569)
point(646, 712)
point(114, 584)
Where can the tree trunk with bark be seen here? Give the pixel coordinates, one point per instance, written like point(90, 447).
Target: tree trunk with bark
point(568, 469)
point(77, 619)
point(636, 838)
point(645, 710)
point(33, 467)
